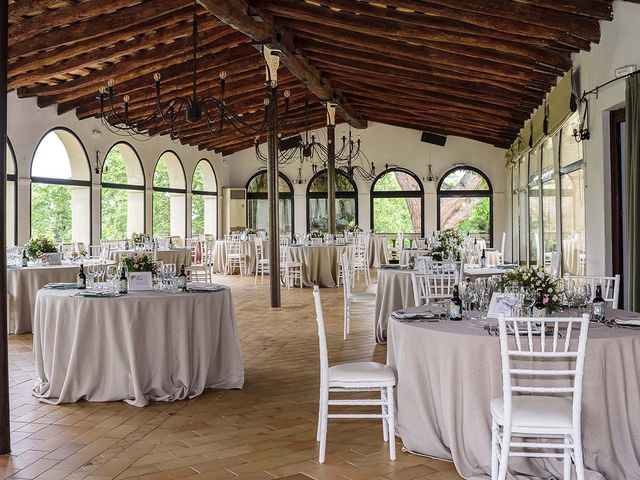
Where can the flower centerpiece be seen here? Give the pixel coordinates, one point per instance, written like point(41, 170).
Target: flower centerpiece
point(447, 245)
point(251, 231)
point(316, 234)
point(534, 279)
point(38, 246)
point(139, 238)
point(79, 253)
point(352, 227)
point(139, 263)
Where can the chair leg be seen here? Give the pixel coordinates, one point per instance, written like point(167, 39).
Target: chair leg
point(504, 454)
point(566, 459)
point(385, 423)
point(577, 455)
point(324, 407)
point(319, 429)
point(392, 424)
point(494, 450)
point(345, 321)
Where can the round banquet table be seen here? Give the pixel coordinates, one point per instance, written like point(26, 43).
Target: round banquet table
point(144, 346)
point(177, 256)
point(449, 371)
point(23, 284)
point(378, 251)
point(394, 291)
point(319, 263)
point(248, 247)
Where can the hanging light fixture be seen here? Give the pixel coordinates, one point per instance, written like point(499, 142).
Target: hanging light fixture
point(193, 109)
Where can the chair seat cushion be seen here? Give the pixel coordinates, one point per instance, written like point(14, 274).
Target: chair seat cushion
point(535, 411)
point(361, 373)
point(362, 297)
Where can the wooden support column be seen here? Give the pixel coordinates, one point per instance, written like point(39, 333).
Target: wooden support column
point(5, 436)
point(331, 168)
point(273, 196)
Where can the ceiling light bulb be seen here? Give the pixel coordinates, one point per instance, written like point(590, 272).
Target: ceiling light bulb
point(287, 94)
point(156, 77)
point(223, 75)
point(111, 82)
point(126, 99)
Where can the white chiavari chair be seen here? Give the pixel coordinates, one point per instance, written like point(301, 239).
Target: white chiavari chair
point(290, 270)
point(355, 304)
point(235, 257)
point(610, 286)
point(262, 264)
point(360, 259)
point(433, 287)
point(95, 251)
point(545, 418)
point(353, 377)
point(201, 272)
point(501, 251)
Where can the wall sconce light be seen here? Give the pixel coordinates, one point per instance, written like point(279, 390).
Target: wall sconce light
point(98, 167)
point(299, 180)
point(430, 176)
point(581, 130)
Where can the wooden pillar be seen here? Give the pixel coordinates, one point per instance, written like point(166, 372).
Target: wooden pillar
point(5, 437)
point(331, 168)
point(273, 196)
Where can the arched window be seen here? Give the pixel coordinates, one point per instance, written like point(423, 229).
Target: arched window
point(169, 197)
point(465, 202)
point(258, 205)
point(397, 202)
point(204, 200)
point(346, 201)
point(61, 189)
point(122, 195)
point(12, 196)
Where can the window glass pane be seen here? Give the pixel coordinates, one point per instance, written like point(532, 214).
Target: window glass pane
point(515, 227)
point(534, 224)
point(122, 166)
point(522, 169)
point(169, 172)
point(396, 181)
point(60, 155)
point(197, 182)
point(523, 204)
point(345, 213)
point(11, 167)
point(548, 158)
point(549, 224)
point(204, 179)
point(319, 184)
point(258, 214)
point(11, 213)
point(466, 214)
point(161, 175)
point(114, 214)
point(573, 222)
point(464, 179)
point(570, 150)
point(161, 214)
point(204, 214)
point(393, 215)
point(534, 165)
point(259, 184)
point(51, 212)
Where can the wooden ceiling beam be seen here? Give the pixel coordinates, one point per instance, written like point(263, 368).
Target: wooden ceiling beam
point(599, 9)
point(114, 23)
point(24, 8)
point(234, 13)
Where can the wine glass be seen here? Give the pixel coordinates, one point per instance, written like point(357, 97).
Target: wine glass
point(467, 295)
point(111, 273)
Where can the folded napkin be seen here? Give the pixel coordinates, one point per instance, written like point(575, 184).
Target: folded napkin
point(98, 294)
point(507, 266)
point(60, 286)
point(628, 321)
point(413, 314)
point(206, 288)
point(391, 266)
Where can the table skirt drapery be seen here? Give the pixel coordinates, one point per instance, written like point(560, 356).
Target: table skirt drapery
point(448, 373)
point(319, 263)
point(146, 346)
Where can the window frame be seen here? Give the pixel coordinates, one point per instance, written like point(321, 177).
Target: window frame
point(205, 193)
point(466, 194)
point(396, 194)
point(170, 190)
point(265, 196)
point(13, 177)
point(61, 181)
point(125, 186)
point(320, 195)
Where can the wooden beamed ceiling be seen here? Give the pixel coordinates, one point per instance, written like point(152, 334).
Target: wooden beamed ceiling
point(476, 69)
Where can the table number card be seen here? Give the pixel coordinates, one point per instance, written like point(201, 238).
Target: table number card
point(140, 281)
point(53, 258)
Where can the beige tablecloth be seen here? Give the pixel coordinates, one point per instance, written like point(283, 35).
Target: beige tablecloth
point(395, 291)
point(142, 347)
point(378, 251)
point(248, 247)
point(319, 263)
point(177, 256)
point(474, 272)
point(448, 372)
point(23, 285)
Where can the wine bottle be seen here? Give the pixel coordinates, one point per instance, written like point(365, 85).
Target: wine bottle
point(81, 279)
point(539, 309)
point(483, 259)
point(598, 305)
point(170, 244)
point(182, 279)
point(455, 305)
point(123, 284)
point(25, 259)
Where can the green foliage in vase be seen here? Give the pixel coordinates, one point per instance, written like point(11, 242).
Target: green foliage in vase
point(37, 246)
point(139, 263)
point(534, 279)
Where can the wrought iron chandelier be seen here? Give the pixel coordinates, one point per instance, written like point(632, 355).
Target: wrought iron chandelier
point(183, 111)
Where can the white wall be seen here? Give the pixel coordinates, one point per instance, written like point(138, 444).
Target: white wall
point(618, 47)
point(28, 124)
point(396, 146)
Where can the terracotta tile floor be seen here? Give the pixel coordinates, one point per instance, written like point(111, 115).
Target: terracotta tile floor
point(265, 431)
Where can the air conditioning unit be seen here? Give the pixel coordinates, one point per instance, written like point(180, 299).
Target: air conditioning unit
point(234, 205)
